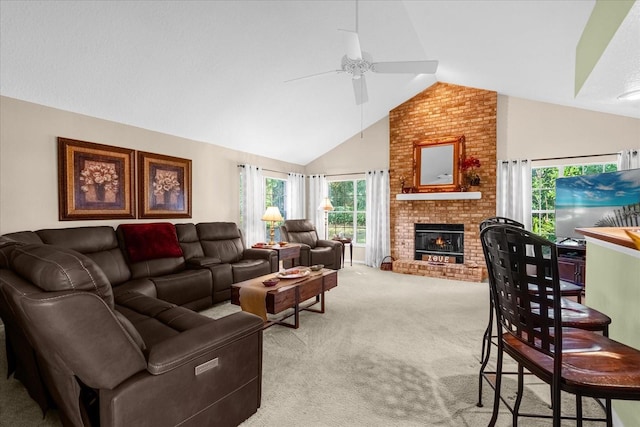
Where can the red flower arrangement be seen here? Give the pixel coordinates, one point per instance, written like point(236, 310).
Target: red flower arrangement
point(470, 165)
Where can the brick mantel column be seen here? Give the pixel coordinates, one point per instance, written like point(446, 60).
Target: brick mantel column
point(440, 111)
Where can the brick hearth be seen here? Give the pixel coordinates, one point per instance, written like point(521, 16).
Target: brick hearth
point(440, 111)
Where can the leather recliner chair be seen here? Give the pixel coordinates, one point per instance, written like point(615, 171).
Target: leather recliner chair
point(312, 250)
point(134, 361)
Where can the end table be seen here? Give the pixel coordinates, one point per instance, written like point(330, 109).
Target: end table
point(346, 241)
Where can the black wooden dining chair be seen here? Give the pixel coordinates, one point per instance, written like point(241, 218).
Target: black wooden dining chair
point(577, 361)
point(574, 314)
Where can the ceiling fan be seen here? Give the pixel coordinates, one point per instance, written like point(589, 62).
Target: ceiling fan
point(358, 62)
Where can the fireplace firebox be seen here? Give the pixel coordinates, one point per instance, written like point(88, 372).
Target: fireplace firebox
point(439, 243)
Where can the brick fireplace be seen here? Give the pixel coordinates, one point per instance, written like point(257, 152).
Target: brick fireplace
point(443, 110)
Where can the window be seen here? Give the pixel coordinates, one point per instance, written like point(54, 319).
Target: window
point(543, 193)
point(275, 193)
point(348, 217)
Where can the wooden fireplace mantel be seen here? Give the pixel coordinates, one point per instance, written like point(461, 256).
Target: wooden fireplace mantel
point(450, 195)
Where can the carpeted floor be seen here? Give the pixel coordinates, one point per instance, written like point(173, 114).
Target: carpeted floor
point(391, 350)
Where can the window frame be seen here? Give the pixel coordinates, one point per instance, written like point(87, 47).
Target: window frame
point(355, 231)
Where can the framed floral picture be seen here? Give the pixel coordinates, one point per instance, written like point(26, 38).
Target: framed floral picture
point(164, 186)
point(95, 181)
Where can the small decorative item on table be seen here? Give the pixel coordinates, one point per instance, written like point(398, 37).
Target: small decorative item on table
point(271, 282)
point(317, 267)
point(293, 273)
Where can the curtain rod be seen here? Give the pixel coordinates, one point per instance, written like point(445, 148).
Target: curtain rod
point(574, 157)
point(350, 173)
point(271, 170)
point(308, 176)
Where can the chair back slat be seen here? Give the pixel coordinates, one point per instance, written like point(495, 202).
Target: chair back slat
point(523, 276)
point(499, 220)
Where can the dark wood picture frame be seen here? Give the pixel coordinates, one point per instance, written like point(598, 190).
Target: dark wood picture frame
point(164, 186)
point(95, 181)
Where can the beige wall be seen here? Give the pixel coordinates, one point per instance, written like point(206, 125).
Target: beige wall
point(357, 154)
point(535, 130)
point(29, 171)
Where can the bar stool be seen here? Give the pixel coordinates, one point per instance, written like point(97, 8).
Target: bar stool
point(574, 315)
point(577, 361)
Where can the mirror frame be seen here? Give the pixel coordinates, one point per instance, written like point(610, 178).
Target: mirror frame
point(420, 150)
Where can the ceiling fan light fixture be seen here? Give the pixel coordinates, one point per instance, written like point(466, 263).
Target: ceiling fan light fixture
point(630, 95)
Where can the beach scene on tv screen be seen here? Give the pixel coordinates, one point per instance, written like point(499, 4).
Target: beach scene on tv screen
point(595, 200)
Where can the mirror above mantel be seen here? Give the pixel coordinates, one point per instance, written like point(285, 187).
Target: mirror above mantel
point(436, 164)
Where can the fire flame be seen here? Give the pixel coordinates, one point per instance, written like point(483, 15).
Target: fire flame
point(439, 241)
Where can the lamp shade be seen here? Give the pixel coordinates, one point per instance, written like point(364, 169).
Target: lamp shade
point(272, 214)
point(326, 205)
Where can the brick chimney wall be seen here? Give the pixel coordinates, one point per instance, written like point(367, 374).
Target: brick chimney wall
point(443, 110)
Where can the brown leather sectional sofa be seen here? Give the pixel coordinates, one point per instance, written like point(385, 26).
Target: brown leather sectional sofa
point(99, 323)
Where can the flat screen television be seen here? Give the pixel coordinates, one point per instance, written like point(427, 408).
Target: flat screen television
point(594, 200)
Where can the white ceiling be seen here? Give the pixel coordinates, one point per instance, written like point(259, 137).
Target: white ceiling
point(214, 71)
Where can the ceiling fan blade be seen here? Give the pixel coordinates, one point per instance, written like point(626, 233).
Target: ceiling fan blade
point(360, 90)
point(407, 67)
point(314, 75)
point(352, 44)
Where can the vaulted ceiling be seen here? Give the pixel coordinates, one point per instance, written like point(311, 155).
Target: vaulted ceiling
point(215, 71)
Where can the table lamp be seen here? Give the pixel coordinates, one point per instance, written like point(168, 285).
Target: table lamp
point(272, 214)
point(326, 206)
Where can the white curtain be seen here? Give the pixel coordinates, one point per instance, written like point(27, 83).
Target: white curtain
point(295, 196)
point(628, 159)
point(377, 213)
point(514, 191)
point(252, 204)
point(318, 190)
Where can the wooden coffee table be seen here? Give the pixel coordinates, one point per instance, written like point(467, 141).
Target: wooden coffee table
point(288, 293)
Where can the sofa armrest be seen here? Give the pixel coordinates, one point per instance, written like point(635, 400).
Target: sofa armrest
point(191, 344)
point(259, 254)
point(329, 243)
point(201, 262)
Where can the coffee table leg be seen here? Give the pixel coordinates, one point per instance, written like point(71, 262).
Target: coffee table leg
point(297, 309)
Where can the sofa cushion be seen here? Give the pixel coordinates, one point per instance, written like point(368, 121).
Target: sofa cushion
point(98, 243)
point(301, 231)
point(151, 241)
point(221, 240)
point(157, 320)
point(144, 286)
point(58, 269)
point(81, 239)
point(185, 288)
point(189, 242)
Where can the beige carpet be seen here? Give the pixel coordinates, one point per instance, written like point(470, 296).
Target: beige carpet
point(391, 350)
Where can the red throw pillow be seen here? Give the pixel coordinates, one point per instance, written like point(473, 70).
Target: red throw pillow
point(151, 241)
